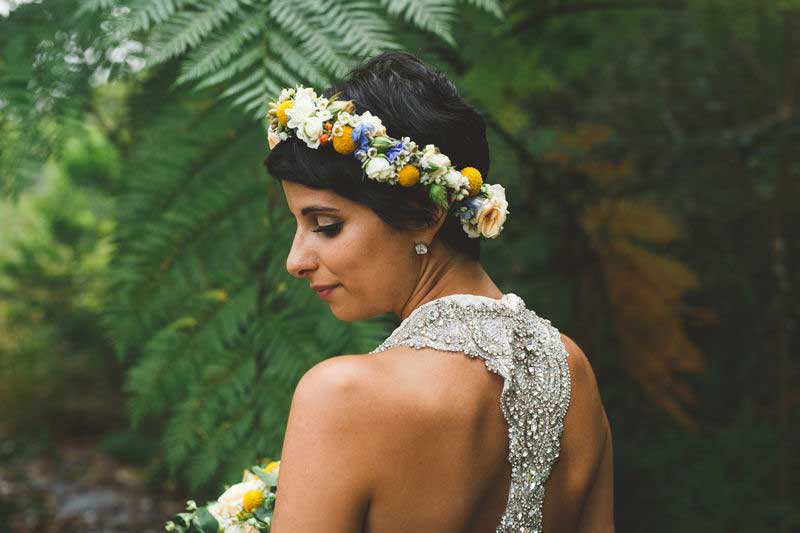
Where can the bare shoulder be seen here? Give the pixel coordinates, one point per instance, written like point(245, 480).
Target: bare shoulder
point(341, 386)
point(327, 459)
point(586, 409)
point(581, 479)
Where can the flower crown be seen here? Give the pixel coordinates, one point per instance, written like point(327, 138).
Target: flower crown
point(319, 121)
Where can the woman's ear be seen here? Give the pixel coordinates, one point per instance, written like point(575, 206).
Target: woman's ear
point(427, 234)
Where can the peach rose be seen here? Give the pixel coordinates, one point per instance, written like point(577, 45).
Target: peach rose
point(491, 217)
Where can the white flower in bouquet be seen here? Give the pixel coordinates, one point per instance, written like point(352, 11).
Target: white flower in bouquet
point(231, 502)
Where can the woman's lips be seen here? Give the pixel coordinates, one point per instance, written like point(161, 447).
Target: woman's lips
point(325, 293)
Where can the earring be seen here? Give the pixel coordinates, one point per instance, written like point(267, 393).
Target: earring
point(421, 248)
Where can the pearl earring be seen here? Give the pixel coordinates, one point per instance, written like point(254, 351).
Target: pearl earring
point(421, 248)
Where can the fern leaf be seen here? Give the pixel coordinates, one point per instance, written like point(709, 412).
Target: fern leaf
point(435, 16)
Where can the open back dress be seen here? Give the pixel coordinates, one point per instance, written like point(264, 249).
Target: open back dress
point(527, 351)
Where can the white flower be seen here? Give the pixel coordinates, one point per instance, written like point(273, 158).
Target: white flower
point(285, 94)
point(310, 131)
point(337, 129)
point(471, 230)
point(454, 179)
point(432, 156)
point(497, 192)
point(377, 127)
point(304, 107)
point(441, 161)
point(307, 91)
point(379, 169)
point(229, 504)
point(345, 119)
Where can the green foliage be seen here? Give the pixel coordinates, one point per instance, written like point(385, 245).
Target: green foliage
point(58, 368)
point(43, 78)
point(255, 47)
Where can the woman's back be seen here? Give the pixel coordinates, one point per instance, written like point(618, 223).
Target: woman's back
point(447, 468)
point(484, 444)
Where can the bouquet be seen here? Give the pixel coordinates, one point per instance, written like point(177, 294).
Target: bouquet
point(245, 507)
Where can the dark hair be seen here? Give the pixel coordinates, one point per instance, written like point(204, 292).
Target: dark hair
point(412, 100)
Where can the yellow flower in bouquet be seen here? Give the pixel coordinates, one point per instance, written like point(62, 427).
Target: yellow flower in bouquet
point(245, 507)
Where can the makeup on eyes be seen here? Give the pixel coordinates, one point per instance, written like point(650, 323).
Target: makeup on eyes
point(329, 229)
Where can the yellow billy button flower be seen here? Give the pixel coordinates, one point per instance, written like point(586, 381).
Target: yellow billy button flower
point(408, 175)
point(280, 111)
point(475, 179)
point(344, 143)
point(252, 499)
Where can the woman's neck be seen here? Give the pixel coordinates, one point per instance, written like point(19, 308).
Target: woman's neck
point(445, 272)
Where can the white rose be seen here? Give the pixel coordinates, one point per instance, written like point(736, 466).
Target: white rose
point(307, 92)
point(304, 106)
point(497, 192)
point(379, 169)
point(454, 179)
point(441, 161)
point(229, 504)
point(310, 130)
point(491, 216)
point(377, 127)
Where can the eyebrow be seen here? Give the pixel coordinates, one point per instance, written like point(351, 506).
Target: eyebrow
point(317, 209)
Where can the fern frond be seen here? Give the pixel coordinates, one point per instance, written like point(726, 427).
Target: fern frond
point(188, 29)
point(434, 16)
point(490, 6)
point(220, 48)
point(145, 14)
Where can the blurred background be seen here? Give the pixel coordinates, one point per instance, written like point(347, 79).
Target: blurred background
point(150, 337)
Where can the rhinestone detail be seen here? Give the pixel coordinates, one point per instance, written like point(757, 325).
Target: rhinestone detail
point(527, 351)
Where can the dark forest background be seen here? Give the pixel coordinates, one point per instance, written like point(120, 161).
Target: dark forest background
point(150, 337)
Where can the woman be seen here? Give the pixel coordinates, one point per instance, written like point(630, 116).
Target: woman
point(475, 414)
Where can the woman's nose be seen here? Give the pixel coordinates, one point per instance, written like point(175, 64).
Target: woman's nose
point(301, 260)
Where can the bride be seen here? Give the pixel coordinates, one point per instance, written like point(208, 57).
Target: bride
point(475, 415)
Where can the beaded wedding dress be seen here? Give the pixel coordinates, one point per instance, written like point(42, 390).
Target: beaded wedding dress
point(527, 351)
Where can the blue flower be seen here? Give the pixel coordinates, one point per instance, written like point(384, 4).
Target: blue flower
point(360, 136)
point(392, 153)
point(472, 204)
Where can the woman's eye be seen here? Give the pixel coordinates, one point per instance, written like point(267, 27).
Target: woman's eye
point(330, 229)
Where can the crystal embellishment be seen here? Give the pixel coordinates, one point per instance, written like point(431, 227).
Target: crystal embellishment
point(527, 351)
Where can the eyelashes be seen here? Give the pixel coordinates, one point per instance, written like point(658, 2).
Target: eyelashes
point(330, 230)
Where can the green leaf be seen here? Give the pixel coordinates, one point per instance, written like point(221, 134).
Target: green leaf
point(204, 521)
